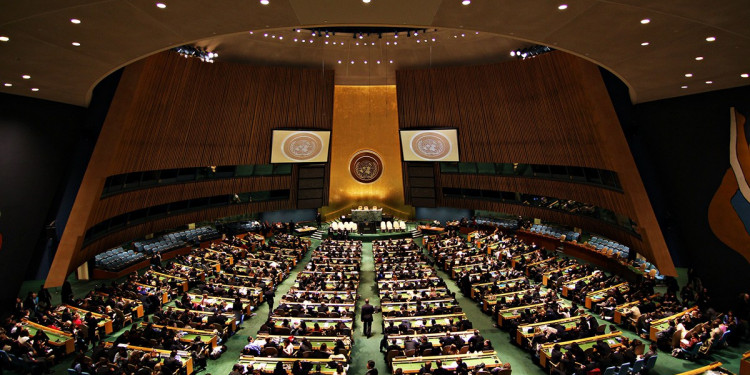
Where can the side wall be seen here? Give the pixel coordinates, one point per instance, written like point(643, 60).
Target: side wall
point(170, 112)
point(550, 110)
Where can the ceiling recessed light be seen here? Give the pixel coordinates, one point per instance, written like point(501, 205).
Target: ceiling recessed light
point(366, 1)
point(645, 21)
point(26, 76)
point(699, 58)
point(8, 84)
point(339, 61)
point(378, 61)
point(4, 38)
point(688, 75)
point(390, 61)
point(34, 89)
point(683, 87)
point(562, 6)
point(466, 2)
point(75, 21)
point(645, 43)
point(76, 44)
point(709, 82)
point(264, 2)
point(352, 61)
point(711, 39)
point(744, 75)
point(161, 5)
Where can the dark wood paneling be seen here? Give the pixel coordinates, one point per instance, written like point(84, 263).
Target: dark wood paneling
point(171, 112)
point(552, 110)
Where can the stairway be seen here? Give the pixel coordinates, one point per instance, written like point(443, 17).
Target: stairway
point(319, 234)
point(416, 233)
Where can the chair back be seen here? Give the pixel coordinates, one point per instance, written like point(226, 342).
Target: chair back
point(638, 365)
point(610, 370)
point(624, 369)
point(383, 226)
point(650, 362)
point(723, 338)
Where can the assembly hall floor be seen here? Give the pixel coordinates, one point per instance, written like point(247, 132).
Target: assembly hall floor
point(364, 349)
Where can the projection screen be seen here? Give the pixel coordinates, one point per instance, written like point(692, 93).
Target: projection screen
point(429, 145)
point(300, 146)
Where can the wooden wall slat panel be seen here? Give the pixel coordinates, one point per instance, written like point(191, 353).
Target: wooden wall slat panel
point(553, 110)
point(183, 113)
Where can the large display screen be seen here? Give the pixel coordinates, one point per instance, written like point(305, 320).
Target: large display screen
point(300, 146)
point(429, 145)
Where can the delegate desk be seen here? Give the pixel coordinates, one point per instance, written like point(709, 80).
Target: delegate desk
point(426, 320)
point(563, 271)
point(104, 321)
point(412, 365)
point(207, 337)
point(601, 294)
point(663, 323)
point(315, 341)
point(621, 310)
point(230, 323)
point(249, 290)
point(433, 338)
point(411, 294)
point(247, 305)
point(384, 284)
point(152, 289)
point(323, 323)
point(513, 313)
point(57, 338)
point(571, 285)
point(614, 340)
point(411, 306)
point(266, 365)
point(185, 358)
point(490, 300)
point(501, 284)
point(179, 281)
point(745, 364)
point(712, 369)
point(526, 332)
point(137, 310)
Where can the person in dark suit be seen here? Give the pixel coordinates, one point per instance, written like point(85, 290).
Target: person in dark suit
point(268, 296)
point(556, 355)
point(371, 370)
point(367, 311)
point(410, 344)
point(172, 364)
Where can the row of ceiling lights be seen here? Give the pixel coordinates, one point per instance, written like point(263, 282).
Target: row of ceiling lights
point(160, 5)
point(75, 21)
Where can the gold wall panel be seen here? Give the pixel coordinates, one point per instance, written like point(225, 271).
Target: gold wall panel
point(366, 118)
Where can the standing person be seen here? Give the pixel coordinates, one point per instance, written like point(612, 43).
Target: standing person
point(319, 219)
point(239, 315)
point(67, 292)
point(92, 323)
point(268, 296)
point(371, 370)
point(367, 311)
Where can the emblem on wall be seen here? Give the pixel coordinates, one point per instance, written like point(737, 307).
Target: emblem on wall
point(302, 146)
point(366, 166)
point(431, 145)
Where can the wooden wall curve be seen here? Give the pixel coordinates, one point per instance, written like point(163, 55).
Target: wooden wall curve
point(174, 112)
point(552, 109)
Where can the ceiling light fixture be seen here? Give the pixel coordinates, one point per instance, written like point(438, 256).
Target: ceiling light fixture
point(4, 38)
point(744, 75)
point(26, 76)
point(711, 39)
point(699, 58)
point(366, 1)
point(562, 6)
point(709, 82)
point(75, 21)
point(264, 2)
point(161, 5)
point(645, 21)
point(688, 75)
point(34, 89)
point(466, 2)
point(684, 87)
point(76, 44)
point(645, 43)
point(8, 85)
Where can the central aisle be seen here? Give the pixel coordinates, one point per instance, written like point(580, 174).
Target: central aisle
point(365, 349)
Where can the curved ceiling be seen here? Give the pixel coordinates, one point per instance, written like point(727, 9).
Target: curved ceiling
point(38, 37)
